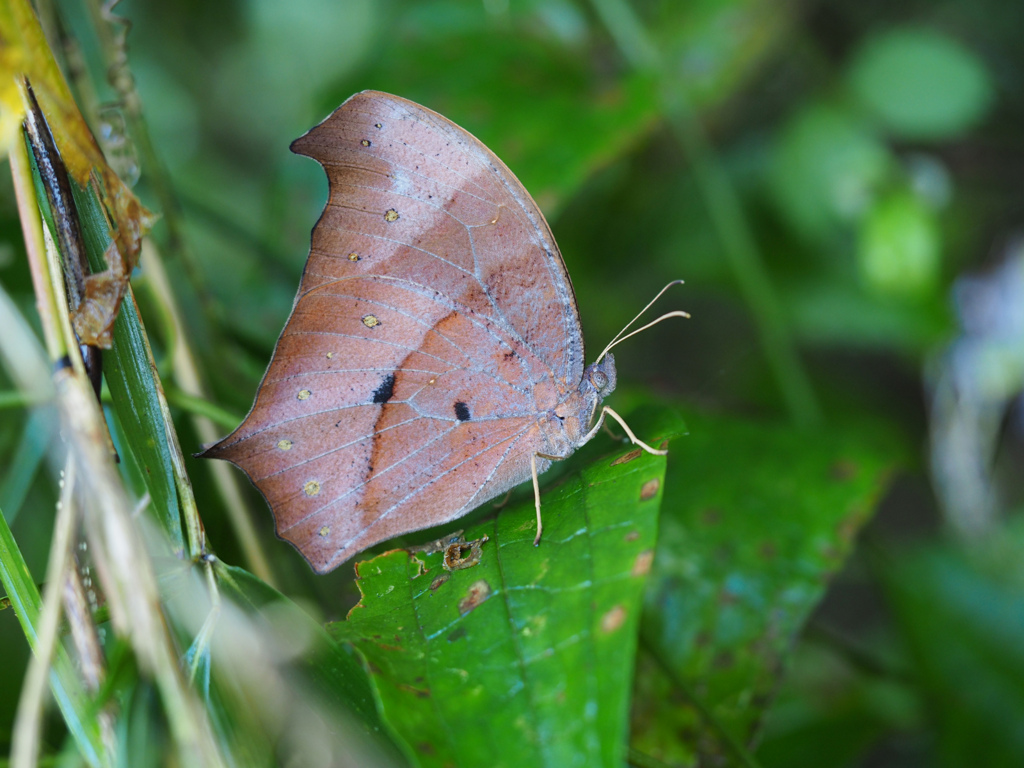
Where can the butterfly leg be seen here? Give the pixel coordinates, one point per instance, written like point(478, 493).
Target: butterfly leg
point(606, 411)
point(608, 431)
point(536, 488)
point(504, 500)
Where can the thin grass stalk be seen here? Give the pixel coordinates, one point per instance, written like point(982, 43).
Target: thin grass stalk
point(28, 720)
point(79, 615)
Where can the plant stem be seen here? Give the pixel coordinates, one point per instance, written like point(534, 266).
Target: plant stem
point(35, 248)
point(726, 212)
point(28, 721)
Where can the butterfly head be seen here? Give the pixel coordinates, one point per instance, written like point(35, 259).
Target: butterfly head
point(598, 382)
point(566, 426)
point(600, 377)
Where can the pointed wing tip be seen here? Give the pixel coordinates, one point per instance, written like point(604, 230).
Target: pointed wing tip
point(302, 145)
point(322, 563)
point(323, 568)
point(322, 555)
point(206, 453)
point(307, 144)
point(218, 450)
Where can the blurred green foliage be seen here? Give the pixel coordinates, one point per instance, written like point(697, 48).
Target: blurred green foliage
point(873, 151)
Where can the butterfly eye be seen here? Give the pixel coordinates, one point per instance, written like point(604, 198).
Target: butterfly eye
point(599, 379)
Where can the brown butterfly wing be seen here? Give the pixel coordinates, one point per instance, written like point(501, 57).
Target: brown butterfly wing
point(434, 322)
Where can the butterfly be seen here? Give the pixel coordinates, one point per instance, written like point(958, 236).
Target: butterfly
point(433, 359)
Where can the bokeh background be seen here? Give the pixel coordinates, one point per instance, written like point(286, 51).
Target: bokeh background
point(841, 186)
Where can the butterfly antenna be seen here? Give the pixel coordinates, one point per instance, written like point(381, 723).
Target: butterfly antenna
point(622, 335)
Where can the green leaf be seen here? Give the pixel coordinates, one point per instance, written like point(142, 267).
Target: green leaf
point(525, 658)
point(826, 169)
point(962, 613)
point(756, 519)
point(132, 384)
point(128, 374)
point(921, 84)
point(900, 245)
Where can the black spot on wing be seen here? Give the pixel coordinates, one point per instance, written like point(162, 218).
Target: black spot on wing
point(384, 392)
point(462, 411)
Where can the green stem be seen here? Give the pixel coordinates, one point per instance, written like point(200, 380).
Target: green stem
point(726, 212)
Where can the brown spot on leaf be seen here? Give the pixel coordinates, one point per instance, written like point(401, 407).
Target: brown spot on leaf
point(477, 593)
point(464, 554)
point(642, 564)
point(627, 457)
point(439, 581)
point(614, 619)
point(848, 527)
point(422, 693)
point(843, 470)
point(632, 536)
point(650, 489)
point(723, 660)
point(711, 516)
